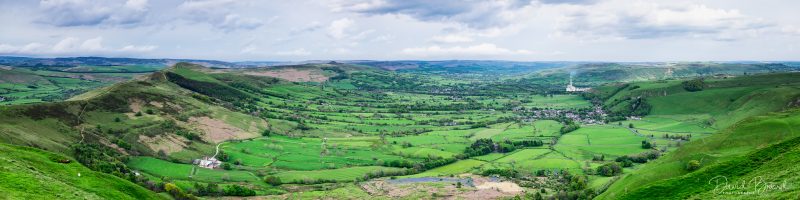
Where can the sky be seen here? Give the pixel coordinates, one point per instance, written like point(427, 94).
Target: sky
point(295, 30)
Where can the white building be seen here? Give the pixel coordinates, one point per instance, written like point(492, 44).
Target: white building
point(207, 162)
point(572, 88)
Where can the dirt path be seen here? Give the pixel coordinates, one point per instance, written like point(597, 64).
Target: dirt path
point(217, 150)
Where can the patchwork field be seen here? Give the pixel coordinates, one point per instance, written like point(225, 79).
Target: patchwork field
point(343, 130)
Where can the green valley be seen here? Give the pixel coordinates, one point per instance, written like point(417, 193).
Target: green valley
point(344, 130)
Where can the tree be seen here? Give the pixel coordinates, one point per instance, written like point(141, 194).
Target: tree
point(177, 192)
point(694, 85)
point(266, 133)
point(116, 119)
point(138, 114)
point(630, 125)
point(646, 144)
point(609, 169)
point(149, 112)
point(237, 190)
point(693, 165)
point(273, 180)
point(226, 166)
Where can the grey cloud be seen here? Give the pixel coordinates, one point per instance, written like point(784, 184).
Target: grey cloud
point(218, 13)
point(473, 13)
point(647, 22)
point(568, 1)
point(67, 13)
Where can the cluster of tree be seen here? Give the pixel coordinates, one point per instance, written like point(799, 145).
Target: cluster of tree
point(693, 165)
point(340, 73)
point(485, 146)
point(222, 156)
point(178, 193)
point(677, 137)
point(211, 189)
point(609, 169)
point(273, 180)
point(694, 85)
point(569, 126)
point(102, 159)
point(640, 158)
point(636, 106)
point(223, 92)
point(480, 147)
point(600, 157)
point(237, 190)
point(566, 187)
point(504, 172)
point(647, 145)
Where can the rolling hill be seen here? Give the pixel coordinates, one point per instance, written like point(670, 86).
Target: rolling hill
point(285, 129)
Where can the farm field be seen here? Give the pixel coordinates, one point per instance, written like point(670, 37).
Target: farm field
point(329, 130)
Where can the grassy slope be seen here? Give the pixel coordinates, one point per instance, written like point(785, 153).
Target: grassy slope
point(723, 103)
point(740, 151)
point(33, 174)
point(52, 126)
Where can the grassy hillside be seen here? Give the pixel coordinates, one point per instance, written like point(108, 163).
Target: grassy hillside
point(763, 146)
point(144, 117)
point(721, 103)
point(25, 85)
point(30, 173)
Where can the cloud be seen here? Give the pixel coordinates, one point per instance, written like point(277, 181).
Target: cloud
point(66, 13)
point(485, 49)
point(567, 1)
point(296, 52)
point(339, 28)
point(70, 46)
point(219, 14)
point(452, 38)
point(645, 20)
point(474, 14)
point(313, 26)
point(134, 48)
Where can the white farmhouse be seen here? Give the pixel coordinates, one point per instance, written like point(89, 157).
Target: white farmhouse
point(207, 162)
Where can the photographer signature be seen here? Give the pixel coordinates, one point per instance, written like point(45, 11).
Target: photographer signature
point(756, 185)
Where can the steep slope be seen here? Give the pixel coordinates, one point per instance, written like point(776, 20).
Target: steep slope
point(30, 173)
point(722, 102)
point(142, 117)
point(759, 148)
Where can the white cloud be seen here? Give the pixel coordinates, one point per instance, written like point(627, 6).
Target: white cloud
point(452, 38)
point(381, 29)
point(485, 49)
point(645, 19)
point(134, 48)
point(296, 52)
point(71, 46)
point(136, 5)
point(339, 28)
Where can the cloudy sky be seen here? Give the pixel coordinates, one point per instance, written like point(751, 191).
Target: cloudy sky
point(527, 30)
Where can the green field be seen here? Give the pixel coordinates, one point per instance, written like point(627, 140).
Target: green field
point(343, 174)
point(358, 125)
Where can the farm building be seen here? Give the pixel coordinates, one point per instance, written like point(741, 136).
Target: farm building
point(207, 162)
